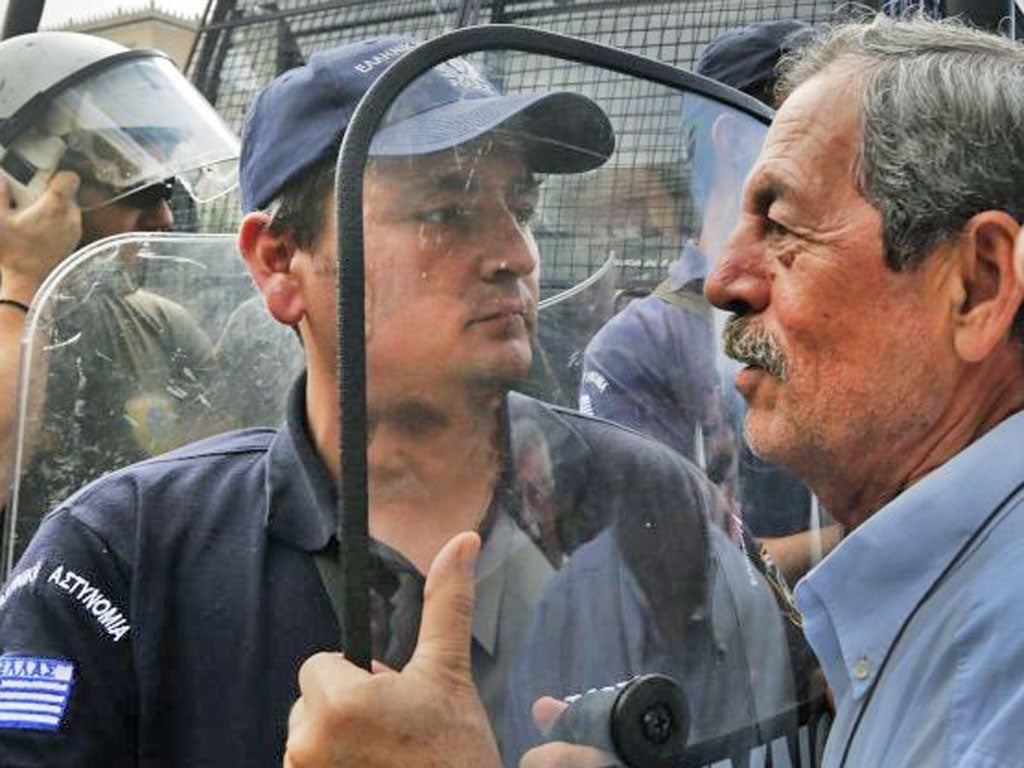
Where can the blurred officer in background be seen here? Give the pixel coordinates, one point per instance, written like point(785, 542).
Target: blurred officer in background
point(92, 140)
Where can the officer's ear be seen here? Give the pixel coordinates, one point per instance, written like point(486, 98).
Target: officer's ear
point(989, 293)
point(724, 133)
point(268, 255)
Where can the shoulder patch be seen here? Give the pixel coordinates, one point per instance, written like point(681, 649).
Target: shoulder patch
point(34, 691)
point(106, 614)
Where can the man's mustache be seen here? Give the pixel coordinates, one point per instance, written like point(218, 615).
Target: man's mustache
point(751, 344)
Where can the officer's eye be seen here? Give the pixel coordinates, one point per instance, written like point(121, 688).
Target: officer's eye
point(524, 213)
point(443, 214)
point(523, 198)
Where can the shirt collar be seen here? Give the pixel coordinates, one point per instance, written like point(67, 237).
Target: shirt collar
point(857, 599)
point(491, 580)
point(301, 498)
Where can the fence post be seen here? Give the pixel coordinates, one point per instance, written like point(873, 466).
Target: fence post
point(22, 17)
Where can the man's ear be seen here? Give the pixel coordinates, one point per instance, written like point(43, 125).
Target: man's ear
point(990, 293)
point(268, 257)
point(1018, 256)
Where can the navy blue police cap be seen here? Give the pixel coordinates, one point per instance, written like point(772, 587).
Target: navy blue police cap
point(746, 56)
point(298, 120)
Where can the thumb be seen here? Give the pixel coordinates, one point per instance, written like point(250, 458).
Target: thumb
point(546, 711)
point(448, 600)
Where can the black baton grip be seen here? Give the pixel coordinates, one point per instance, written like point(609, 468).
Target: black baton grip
point(644, 722)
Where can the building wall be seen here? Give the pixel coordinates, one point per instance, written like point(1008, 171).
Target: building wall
point(148, 28)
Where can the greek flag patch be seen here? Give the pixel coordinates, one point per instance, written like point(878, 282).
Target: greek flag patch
point(34, 692)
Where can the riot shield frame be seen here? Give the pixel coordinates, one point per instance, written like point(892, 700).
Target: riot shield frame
point(353, 505)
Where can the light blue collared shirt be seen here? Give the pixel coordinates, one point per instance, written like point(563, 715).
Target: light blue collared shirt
point(952, 692)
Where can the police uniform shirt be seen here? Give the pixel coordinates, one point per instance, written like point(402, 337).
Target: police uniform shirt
point(177, 599)
point(160, 615)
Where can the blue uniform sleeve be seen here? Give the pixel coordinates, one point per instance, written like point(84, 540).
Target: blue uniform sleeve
point(650, 369)
point(67, 690)
point(619, 381)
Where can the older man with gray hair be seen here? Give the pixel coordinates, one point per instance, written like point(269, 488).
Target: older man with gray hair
point(876, 308)
point(880, 319)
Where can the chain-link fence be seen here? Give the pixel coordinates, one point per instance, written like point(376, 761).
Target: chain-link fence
point(245, 43)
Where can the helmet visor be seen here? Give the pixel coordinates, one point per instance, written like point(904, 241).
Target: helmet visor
point(133, 124)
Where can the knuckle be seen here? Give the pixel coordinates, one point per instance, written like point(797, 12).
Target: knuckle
point(309, 669)
point(298, 753)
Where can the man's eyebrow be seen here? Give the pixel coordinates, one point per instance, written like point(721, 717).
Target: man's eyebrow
point(455, 180)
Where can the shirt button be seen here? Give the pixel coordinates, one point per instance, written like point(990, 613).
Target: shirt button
point(862, 669)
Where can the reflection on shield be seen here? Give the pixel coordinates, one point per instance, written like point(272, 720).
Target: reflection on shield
point(120, 365)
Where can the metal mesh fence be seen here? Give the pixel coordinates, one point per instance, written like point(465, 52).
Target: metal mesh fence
point(245, 43)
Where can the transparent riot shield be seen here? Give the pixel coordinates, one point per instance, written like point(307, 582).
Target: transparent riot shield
point(568, 314)
point(136, 345)
point(498, 214)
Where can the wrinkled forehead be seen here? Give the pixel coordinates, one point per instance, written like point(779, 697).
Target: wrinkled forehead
point(814, 141)
point(822, 114)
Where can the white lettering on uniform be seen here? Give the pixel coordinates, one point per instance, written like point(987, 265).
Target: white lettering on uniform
point(22, 580)
point(586, 406)
point(95, 602)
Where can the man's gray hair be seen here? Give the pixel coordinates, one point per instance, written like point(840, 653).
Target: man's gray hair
point(942, 116)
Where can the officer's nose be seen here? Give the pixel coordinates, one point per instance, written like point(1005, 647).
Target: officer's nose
point(510, 249)
point(156, 216)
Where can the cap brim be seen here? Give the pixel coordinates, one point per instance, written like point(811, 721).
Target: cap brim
point(562, 132)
